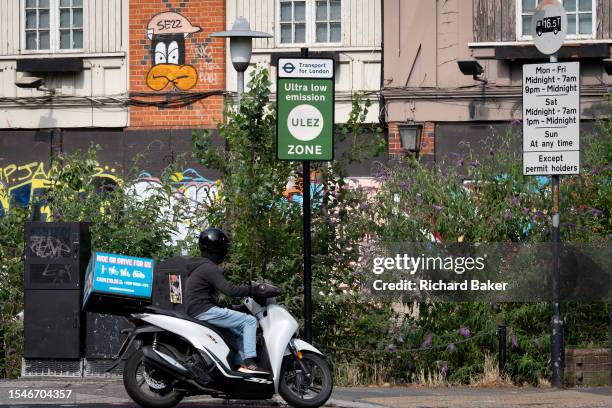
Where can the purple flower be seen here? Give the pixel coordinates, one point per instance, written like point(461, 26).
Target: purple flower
point(537, 216)
point(513, 341)
point(451, 347)
point(427, 342)
point(570, 225)
point(444, 369)
point(525, 210)
point(382, 176)
point(365, 206)
point(474, 164)
point(537, 344)
point(596, 212)
point(459, 163)
point(405, 186)
point(57, 216)
point(507, 214)
point(400, 338)
point(465, 332)
point(392, 348)
point(515, 200)
point(438, 207)
point(609, 236)
point(454, 154)
point(516, 122)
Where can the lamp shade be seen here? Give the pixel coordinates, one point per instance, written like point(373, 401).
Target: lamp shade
point(241, 49)
point(410, 137)
point(241, 46)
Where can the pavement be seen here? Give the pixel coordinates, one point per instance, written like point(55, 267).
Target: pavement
point(102, 392)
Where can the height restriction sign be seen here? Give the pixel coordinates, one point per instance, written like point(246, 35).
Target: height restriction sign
point(305, 100)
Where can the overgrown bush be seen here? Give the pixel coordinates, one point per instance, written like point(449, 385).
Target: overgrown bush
point(479, 199)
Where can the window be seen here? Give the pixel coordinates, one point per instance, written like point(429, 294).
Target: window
point(310, 22)
point(293, 22)
point(53, 25)
point(328, 21)
point(580, 18)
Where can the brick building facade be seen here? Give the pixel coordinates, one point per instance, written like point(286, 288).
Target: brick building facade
point(181, 29)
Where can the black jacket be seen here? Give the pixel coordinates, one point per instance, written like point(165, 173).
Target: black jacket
point(205, 279)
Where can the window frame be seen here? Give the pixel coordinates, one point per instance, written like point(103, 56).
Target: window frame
point(54, 31)
point(311, 27)
point(592, 36)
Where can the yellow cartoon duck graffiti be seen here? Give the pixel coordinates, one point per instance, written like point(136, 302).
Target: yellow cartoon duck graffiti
point(167, 32)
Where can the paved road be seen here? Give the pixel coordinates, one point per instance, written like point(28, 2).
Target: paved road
point(98, 393)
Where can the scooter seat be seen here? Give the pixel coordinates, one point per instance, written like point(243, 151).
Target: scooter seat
point(225, 334)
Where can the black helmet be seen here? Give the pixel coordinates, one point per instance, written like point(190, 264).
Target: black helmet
point(214, 241)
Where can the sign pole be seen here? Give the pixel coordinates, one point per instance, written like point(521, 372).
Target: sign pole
point(307, 242)
point(556, 349)
point(305, 133)
point(551, 138)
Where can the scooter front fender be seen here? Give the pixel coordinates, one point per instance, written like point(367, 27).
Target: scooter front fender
point(301, 345)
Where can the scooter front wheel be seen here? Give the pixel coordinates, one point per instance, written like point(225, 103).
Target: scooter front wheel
point(306, 383)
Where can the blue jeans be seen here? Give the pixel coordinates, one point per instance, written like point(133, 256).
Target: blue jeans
point(243, 326)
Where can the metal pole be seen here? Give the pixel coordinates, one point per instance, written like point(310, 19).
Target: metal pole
point(307, 242)
point(610, 351)
point(556, 349)
point(240, 87)
point(307, 251)
point(501, 331)
point(2, 354)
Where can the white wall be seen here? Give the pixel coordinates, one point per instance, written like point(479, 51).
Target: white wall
point(77, 95)
point(358, 68)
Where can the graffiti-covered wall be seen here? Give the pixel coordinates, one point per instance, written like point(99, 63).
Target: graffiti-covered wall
point(172, 55)
point(25, 158)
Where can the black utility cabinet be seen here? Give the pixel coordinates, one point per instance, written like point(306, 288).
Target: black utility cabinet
point(56, 255)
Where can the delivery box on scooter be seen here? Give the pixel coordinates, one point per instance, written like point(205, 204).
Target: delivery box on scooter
point(117, 284)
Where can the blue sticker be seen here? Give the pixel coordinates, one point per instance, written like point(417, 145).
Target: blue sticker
point(119, 275)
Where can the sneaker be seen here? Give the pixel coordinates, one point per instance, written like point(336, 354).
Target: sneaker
point(249, 366)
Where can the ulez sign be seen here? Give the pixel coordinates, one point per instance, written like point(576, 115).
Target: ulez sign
point(305, 108)
point(551, 118)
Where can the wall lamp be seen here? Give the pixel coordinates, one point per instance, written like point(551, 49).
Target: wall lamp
point(473, 68)
point(32, 82)
point(410, 136)
point(608, 65)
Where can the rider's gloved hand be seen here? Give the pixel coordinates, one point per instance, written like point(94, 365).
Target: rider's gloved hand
point(264, 290)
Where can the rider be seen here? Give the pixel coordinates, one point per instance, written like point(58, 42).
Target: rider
point(203, 284)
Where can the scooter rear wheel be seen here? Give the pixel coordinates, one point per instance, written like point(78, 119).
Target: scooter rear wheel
point(147, 387)
point(305, 390)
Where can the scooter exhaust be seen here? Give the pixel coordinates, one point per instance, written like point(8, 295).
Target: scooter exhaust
point(165, 363)
point(170, 366)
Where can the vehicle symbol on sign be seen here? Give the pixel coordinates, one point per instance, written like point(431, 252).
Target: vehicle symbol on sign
point(288, 67)
point(548, 25)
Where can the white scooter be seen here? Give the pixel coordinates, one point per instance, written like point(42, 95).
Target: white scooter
point(175, 356)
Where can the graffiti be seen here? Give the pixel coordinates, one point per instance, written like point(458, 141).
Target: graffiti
point(167, 32)
point(209, 73)
point(187, 184)
point(21, 184)
point(49, 273)
point(47, 246)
